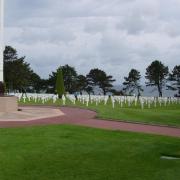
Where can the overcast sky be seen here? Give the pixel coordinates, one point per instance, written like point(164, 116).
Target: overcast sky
point(113, 35)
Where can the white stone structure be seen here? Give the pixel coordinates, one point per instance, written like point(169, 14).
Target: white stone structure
point(1, 38)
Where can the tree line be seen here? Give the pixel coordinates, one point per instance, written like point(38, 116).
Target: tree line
point(20, 77)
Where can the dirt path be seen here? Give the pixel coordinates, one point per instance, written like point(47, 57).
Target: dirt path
point(76, 116)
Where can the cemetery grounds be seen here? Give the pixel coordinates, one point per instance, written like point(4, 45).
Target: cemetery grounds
point(148, 110)
point(78, 153)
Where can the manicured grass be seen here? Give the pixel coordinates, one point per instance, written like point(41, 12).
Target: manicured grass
point(78, 153)
point(169, 115)
point(161, 115)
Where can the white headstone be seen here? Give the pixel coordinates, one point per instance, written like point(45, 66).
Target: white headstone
point(1, 38)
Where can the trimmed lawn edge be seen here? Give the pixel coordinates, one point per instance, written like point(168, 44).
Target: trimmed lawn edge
point(107, 119)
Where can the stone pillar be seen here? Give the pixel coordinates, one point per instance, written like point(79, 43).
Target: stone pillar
point(1, 39)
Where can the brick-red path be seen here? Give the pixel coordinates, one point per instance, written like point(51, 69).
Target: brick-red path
point(83, 117)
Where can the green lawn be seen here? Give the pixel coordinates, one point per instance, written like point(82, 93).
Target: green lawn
point(161, 115)
point(78, 153)
point(169, 115)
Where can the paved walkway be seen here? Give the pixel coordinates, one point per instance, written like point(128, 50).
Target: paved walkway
point(76, 116)
point(30, 113)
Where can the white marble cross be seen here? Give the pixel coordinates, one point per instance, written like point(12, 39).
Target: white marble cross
point(1, 38)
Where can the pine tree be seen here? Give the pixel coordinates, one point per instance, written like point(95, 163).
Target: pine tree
point(156, 74)
point(60, 90)
point(97, 77)
point(69, 76)
point(174, 78)
point(132, 82)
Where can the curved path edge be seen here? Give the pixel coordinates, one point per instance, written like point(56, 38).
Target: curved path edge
point(84, 117)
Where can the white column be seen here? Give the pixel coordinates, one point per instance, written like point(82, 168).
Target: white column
point(1, 38)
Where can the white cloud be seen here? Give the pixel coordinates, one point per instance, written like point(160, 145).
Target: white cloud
point(114, 35)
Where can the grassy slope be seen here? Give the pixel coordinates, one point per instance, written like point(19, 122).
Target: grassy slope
point(77, 153)
point(169, 115)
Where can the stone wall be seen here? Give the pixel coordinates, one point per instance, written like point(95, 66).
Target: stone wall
point(8, 104)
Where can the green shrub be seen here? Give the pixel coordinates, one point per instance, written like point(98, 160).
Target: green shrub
point(60, 90)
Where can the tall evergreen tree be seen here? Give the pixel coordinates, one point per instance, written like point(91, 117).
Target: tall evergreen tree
point(97, 77)
point(70, 78)
point(17, 72)
point(81, 83)
point(156, 74)
point(174, 78)
point(37, 84)
point(60, 90)
point(132, 82)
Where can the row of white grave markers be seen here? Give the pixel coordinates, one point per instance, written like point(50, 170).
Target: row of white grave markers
point(37, 98)
point(144, 101)
point(122, 101)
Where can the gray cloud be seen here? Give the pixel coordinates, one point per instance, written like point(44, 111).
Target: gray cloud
point(112, 35)
point(55, 35)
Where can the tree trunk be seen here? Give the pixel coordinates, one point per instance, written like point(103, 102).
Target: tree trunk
point(160, 90)
point(139, 94)
point(178, 92)
point(59, 96)
point(2, 89)
point(104, 92)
